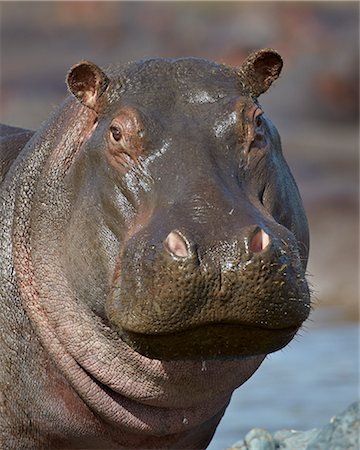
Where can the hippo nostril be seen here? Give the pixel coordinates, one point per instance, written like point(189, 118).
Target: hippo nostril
point(177, 245)
point(259, 241)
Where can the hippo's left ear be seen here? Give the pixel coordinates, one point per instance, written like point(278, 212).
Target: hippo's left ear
point(87, 82)
point(260, 69)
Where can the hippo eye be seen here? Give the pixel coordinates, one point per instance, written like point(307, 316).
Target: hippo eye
point(259, 121)
point(259, 137)
point(115, 133)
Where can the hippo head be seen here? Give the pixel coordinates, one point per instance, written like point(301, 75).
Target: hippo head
point(189, 236)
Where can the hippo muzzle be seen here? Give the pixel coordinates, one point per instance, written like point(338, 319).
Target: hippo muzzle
point(186, 293)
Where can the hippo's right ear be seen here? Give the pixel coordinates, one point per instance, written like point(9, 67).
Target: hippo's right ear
point(260, 69)
point(86, 81)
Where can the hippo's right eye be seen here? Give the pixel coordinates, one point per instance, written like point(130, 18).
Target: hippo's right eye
point(115, 133)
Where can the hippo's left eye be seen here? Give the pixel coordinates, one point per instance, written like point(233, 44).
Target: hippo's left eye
point(259, 121)
point(259, 136)
point(116, 134)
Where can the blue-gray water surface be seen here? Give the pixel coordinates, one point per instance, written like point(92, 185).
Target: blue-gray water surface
point(300, 387)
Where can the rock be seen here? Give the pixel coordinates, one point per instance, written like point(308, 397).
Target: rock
point(257, 439)
point(292, 439)
point(342, 433)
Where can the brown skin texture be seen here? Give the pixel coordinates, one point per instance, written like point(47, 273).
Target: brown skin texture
point(154, 243)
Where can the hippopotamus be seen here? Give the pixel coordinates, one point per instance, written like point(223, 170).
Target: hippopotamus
point(153, 252)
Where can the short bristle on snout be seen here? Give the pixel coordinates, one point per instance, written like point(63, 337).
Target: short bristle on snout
point(259, 241)
point(176, 245)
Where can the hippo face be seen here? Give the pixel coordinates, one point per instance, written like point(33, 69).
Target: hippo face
point(197, 242)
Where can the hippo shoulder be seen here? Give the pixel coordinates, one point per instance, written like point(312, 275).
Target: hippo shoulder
point(12, 141)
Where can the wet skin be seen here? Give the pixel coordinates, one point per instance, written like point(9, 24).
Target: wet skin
point(159, 245)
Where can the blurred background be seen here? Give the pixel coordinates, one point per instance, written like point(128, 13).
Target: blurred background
point(314, 104)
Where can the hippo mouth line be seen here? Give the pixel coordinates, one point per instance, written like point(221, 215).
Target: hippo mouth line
point(211, 341)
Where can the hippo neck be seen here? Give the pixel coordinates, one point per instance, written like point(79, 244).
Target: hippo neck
point(143, 401)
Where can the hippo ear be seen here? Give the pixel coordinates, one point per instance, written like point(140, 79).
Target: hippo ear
point(87, 82)
point(260, 69)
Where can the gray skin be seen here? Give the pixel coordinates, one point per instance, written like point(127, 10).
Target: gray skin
point(153, 252)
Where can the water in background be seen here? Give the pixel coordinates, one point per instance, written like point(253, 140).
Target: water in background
point(300, 387)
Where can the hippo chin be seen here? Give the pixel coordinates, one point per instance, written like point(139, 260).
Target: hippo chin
point(153, 252)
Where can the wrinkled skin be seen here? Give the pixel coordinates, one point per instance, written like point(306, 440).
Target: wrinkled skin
point(153, 251)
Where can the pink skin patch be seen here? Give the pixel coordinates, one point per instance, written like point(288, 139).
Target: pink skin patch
point(259, 241)
point(176, 245)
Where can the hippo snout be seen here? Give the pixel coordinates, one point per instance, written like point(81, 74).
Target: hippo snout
point(180, 295)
